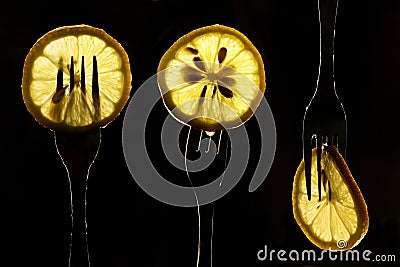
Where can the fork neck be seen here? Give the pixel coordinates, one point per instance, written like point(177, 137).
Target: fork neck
point(327, 18)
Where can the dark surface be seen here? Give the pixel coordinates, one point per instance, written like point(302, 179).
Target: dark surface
point(126, 226)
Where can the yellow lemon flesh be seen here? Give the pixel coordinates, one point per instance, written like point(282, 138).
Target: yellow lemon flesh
point(339, 220)
point(212, 78)
point(76, 78)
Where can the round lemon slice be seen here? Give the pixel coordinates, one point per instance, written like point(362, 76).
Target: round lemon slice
point(212, 78)
point(339, 221)
point(76, 78)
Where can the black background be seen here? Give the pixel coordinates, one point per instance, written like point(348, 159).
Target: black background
point(126, 226)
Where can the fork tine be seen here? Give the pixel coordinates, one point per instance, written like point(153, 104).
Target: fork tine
point(307, 155)
point(95, 89)
point(71, 75)
point(83, 75)
point(319, 151)
point(341, 145)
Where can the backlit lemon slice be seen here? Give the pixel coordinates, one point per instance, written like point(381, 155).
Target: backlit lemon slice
point(340, 220)
point(212, 78)
point(76, 78)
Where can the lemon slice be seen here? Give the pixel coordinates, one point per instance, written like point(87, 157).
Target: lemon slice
point(76, 78)
point(340, 220)
point(212, 78)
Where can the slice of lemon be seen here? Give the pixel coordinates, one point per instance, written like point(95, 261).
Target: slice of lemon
point(76, 78)
point(340, 220)
point(212, 78)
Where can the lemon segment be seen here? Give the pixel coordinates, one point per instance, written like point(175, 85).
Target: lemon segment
point(341, 216)
point(212, 78)
point(76, 78)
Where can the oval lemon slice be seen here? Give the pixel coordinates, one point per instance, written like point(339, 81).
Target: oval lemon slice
point(339, 220)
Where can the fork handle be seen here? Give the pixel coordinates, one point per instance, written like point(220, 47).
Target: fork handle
point(79, 254)
point(78, 152)
point(327, 19)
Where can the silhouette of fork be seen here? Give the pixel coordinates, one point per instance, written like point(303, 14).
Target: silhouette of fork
point(78, 152)
point(324, 120)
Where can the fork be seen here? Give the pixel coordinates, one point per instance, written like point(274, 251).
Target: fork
point(78, 152)
point(324, 120)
